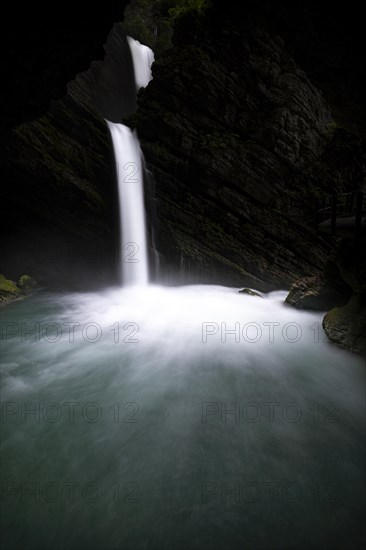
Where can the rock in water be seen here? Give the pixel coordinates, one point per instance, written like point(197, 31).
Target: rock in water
point(27, 283)
point(316, 293)
point(346, 326)
point(250, 292)
point(8, 290)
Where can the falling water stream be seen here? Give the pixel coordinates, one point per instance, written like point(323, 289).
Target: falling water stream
point(195, 417)
point(128, 156)
point(134, 265)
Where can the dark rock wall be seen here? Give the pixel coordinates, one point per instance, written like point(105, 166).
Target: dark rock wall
point(236, 136)
point(58, 218)
point(326, 39)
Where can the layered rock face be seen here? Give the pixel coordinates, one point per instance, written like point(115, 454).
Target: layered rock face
point(59, 196)
point(235, 135)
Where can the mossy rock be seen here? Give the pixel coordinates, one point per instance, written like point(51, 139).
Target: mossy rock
point(316, 293)
point(346, 326)
point(8, 290)
point(7, 285)
point(249, 292)
point(26, 283)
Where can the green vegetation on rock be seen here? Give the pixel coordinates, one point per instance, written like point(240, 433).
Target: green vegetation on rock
point(152, 21)
point(26, 282)
point(8, 290)
point(7, 285)
point(182, 7)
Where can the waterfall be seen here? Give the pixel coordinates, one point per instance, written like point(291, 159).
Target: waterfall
point(128, 156)
point(143, 58)
point(134, 264)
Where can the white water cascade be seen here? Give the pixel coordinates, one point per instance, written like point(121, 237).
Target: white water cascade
point(143, 58)
point(128, 156)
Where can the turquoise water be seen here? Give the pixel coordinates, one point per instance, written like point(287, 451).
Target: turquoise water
point(152, 428)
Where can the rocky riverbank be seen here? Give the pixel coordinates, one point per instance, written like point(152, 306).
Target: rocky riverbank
point(341, 290)
point(10, 291)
